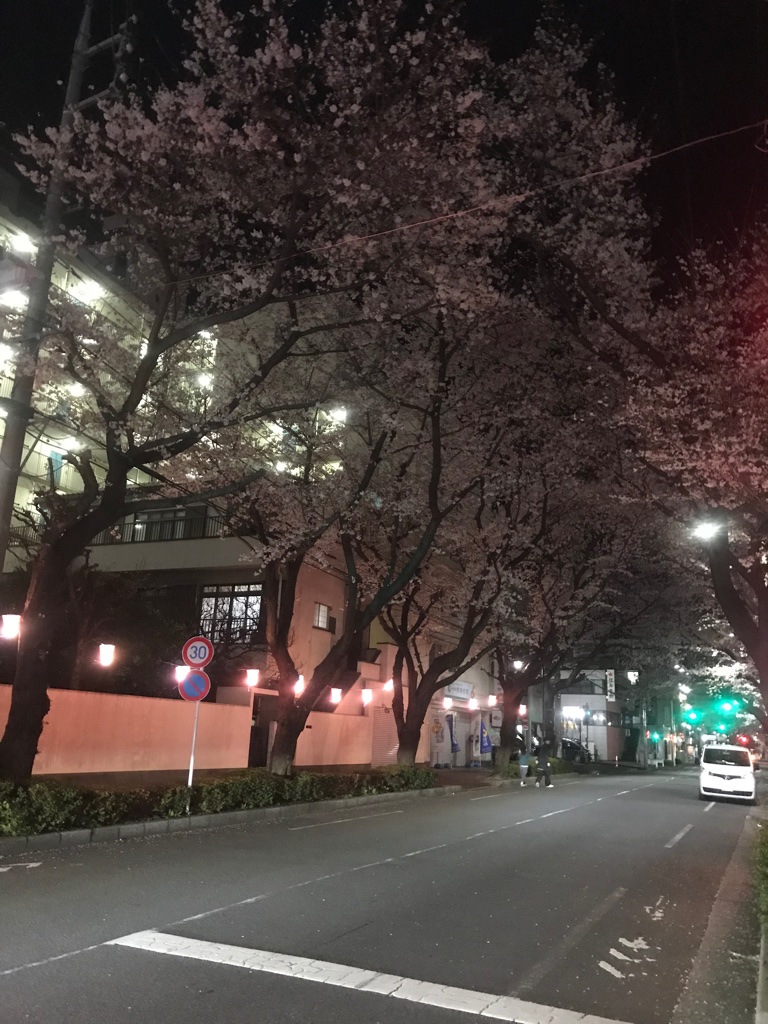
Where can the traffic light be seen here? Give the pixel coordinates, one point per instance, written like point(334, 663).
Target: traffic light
point(655, 737)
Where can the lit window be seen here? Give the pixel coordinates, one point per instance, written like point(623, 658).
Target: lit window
point(322, 618)
point(230, 614)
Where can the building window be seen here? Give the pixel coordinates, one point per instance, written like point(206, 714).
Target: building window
point(230, 614)
point(323, 618)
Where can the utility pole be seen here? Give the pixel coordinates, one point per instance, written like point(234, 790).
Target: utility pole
point(18, 407)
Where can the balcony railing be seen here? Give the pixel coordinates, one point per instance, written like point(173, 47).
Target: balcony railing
point(194, 528)
point(151, 530)
point(232, 631)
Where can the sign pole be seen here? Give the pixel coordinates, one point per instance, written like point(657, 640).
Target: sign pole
point(192, 757)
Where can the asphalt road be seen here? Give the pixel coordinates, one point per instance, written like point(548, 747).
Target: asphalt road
point(535, 906)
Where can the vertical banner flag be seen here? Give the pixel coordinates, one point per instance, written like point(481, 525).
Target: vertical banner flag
point(455, 748)
point(485, 740)
point(610, 683)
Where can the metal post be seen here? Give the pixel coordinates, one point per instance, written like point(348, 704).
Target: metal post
point(192, 757)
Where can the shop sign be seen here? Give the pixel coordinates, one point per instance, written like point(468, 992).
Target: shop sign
point(462, 691)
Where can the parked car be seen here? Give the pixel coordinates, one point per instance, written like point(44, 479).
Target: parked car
point(575, 751)
point(727, 771)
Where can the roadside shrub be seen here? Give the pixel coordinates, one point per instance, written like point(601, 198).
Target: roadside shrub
point(49, 807)
point(760, 868)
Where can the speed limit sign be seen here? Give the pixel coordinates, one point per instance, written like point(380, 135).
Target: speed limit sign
point(197, 652)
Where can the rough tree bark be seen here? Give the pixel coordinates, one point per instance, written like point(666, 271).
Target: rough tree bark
point(47, 595)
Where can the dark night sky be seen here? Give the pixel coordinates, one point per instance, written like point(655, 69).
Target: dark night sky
point(683, 69)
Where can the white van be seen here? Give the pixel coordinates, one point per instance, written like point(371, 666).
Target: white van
point(727, 771)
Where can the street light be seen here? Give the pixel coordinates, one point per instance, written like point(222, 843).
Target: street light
point(106, 654)
point(492, 700)
point(518, 665)
point(181, 672)
point(389, 686)
point(298, 686)
point(335, 695)
point(10, 627)
point(251, 677)
point(706, 530)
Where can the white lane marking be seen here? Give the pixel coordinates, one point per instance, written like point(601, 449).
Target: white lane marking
point(427, 849)
point(623, 792)
point(492, 796)
point(49, 960)
point(447, 996)
point(656, 912)
point(678, 837)
point(575, 934)
point(611, 969)
point(340, 821)
point(635, 944)
point(623, 956)
point(525, 821)
point(709, 806)
point(30, 864)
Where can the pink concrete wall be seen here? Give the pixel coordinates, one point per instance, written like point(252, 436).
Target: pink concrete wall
point(335, 739)
point(110, 732)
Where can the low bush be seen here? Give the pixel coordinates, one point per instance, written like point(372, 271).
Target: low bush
point(760, 864)
point(49, 807)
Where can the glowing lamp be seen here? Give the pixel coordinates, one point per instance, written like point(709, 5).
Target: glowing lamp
point(10, 627)
point(181, 672)
point(106, 654)
point(473, 704)
point(251, 677)
point(389, 686)
point(517, 666)
point(367, 696)
point(335, 695)
point(298, 686)
point(447, 703)
point(493, 700)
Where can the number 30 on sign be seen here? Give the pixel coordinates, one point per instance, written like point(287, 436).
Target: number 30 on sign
point(197, 652)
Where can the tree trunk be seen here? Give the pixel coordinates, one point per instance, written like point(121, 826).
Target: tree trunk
point(507, 735)
point(409, 744)
point(46, 601)
point(548, 715)
point(291, 720)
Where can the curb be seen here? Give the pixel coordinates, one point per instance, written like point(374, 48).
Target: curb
point(761, 1009)
point(12, 845)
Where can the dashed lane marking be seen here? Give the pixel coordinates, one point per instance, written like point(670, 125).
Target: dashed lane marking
point(340, 821)
point(678, 837)
point(484, 1004)
point(709, 806)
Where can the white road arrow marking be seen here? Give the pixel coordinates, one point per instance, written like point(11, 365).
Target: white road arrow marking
point(30, 864)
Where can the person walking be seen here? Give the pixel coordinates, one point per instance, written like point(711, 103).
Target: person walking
point(523, 764)
point(544, 771)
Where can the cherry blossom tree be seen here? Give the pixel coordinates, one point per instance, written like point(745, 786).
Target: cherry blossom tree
point(276, 176)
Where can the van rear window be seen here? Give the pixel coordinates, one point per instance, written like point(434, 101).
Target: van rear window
point(732, 757)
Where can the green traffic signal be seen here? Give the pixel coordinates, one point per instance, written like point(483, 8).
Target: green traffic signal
point(655, 737)
point(693, 716)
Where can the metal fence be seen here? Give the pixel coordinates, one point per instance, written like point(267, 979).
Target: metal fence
point(146, 531)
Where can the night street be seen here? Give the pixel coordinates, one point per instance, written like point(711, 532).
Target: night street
point(593, 898)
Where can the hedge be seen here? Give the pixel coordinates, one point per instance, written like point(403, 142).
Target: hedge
point(50, 807)
point(557, 766)
point(761, 874)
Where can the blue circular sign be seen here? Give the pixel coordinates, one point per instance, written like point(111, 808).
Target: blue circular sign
point(195, 685)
